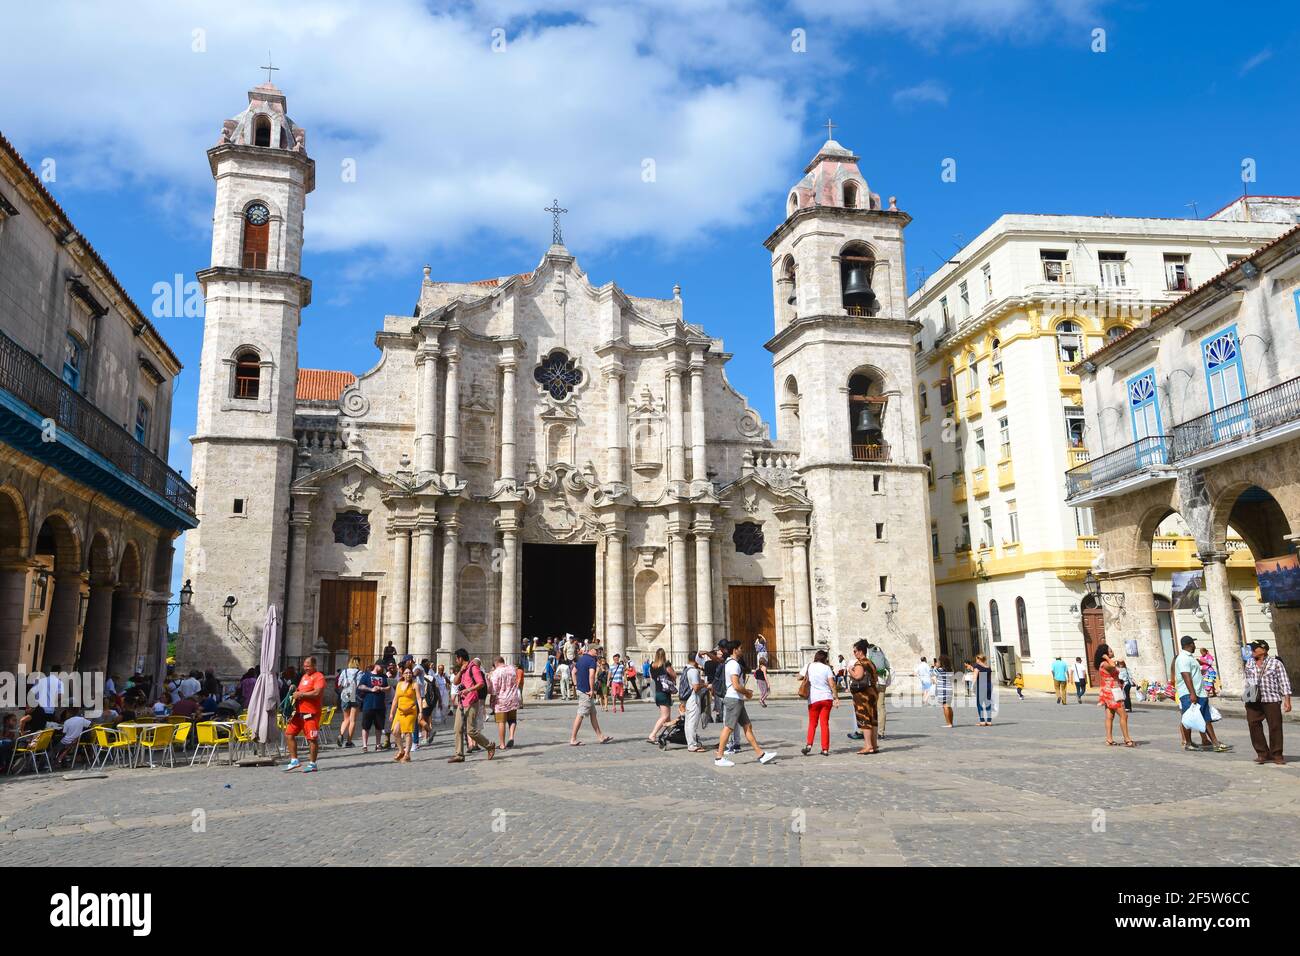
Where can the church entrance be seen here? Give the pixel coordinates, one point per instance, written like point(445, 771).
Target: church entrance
point(559, 592)
point(347, 620)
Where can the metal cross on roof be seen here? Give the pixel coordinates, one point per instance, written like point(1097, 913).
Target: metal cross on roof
point(555, 211)
point(268, 66)
point(830, 128)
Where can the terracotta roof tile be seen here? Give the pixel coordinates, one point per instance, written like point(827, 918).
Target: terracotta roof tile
point(322, 385)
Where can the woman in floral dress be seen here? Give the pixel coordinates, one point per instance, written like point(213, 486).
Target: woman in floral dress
point(1112, 695)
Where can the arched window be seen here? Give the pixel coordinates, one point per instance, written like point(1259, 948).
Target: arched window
point(1022, 625)
point(1069, 342)
point(856, 266)
point(790, 410)
point(141, 421)
point(972, 619)
point(257, 236)
point(867, 418)
point(262, 131)
point(74, 360)
point(850, 195)
point(995, 622)
point(794, 204)
point(1115, 331)
point(997, 357)
point(248, 374)
point(943, 631)
point(284, 138)
point(790, 275)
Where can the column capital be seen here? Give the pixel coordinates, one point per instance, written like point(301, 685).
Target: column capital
point(698, 362)
point(704, 526)
point(613, 368)
point(1120, 574)
point(1213, 557)
point(427, 352)
point(453, 355)
point(795, 535)
point(675, 366)
point(613, 531)
point(450, 525)
point(507, 523)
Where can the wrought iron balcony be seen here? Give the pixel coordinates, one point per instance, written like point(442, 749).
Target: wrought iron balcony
point(878, 451)
point(1253, 415)
point(1106, 469)
point(27, 379)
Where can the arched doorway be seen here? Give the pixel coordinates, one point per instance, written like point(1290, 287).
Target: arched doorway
point(58, 547)
point(1168, 634)
point(1094, 634)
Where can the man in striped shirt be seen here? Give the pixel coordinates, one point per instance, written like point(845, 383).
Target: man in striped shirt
point(1272, 698)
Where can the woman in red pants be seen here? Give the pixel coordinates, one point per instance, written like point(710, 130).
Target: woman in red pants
point(822, 696)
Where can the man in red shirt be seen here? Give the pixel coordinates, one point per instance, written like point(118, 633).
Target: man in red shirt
point(306, 715)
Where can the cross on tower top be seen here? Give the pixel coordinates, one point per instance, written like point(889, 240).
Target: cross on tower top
point(268, 66)
point(830, 128)
point(554, 209)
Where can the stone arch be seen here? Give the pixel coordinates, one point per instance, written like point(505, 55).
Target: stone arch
point(647, 598)
point(14, 545)
point(866, 413)
point(58, 536)
point(15, 532)
point(852, 194)
point(857, 263)
point(790, 423)
point(261, 130)
point(559, 443)
point(1254, 514)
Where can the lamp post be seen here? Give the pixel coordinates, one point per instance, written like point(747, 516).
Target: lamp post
point(1114, 599)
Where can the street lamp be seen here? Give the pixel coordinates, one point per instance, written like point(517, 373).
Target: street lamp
point(229, 606)
point(187, 594)
point(893, 606)
point(1113, 598)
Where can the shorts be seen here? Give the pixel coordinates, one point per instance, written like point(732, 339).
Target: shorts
point(350, 705)
point(617, 688)
point(586, 704)
point(506, 716)
point(734, 715)
point(662, 699)
point(372, 720)
point(1185, 701)
point(306, 724)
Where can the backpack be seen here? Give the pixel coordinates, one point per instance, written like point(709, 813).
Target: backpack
point(666, 682)
point(684, 684)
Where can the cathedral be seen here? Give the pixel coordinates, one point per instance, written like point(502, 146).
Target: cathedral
point(532, 455)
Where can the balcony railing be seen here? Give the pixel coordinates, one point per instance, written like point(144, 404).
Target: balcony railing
point(23, 375)
point(1129, 460)
point(876, 452)
point(1252, 415)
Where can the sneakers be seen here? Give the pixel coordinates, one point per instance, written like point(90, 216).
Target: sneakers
point(806, 750)
point(767, 757)
point(349, 744)
point(309, 768)
point(723, 762)
point(1222, 748)
point(414, 747)
point(857, 736)
point(293, 764)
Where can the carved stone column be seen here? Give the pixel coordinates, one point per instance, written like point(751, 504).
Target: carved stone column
point(99, 622)
point(796, 538)
point(699, 466)
point(450, 569)
point(420, 629)
point(399, 593)
point(1136, 621)
point(679, 585)
point(296, 639)
point(703, 579)
point(676, 439)
point(616, 462)
point(1223, 623)
point(508, 367)
point(427, 361)
point(615, 587)
point(65, 609)
point(451, 422)
point(13, 612)
point(508, 523)
point(123, 646)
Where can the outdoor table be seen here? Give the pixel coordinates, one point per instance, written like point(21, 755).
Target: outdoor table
point(229, 726)
point(139, 729)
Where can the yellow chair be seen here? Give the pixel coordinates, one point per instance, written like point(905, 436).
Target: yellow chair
point(179, 720)
point(85, 744)
point(211, 737)
point(37, 746)
point(158, 740)
point(182, 736)
point(112, 745)
point(326, 718)
point(242, 738)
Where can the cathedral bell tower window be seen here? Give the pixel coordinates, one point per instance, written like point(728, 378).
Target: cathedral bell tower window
point(248, 375)
point(257, 232)
point(856, 266)
point(262, 131)
point(558, 375)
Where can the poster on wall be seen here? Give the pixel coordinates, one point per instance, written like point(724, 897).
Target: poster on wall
point(1186, 588)
point(1279, 579)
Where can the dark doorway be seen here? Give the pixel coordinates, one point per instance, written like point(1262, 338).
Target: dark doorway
point(559, 591)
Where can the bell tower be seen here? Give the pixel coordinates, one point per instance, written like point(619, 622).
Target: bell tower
point(846, 387)
point(244, 445)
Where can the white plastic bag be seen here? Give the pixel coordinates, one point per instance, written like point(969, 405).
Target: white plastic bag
point(1193, 720)
point(1215, 716)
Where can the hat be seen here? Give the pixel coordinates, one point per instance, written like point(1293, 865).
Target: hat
point(1263, 644)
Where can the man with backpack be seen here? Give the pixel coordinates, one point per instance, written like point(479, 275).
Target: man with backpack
point(734, 718)
point(691, 689)
point(472, 684)
point(719, 687)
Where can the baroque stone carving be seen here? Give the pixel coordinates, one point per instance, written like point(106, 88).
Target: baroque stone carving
point(351, 528)
point(353, 403)
point(748, 537)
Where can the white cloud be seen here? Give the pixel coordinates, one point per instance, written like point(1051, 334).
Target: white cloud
point(929, 20)
point(449, 137)
point(1259, 58)
point(929, 91)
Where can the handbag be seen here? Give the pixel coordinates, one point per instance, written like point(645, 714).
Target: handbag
point(805, 686)
point(1250, 693)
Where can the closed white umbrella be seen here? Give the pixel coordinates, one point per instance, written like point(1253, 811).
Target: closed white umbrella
point(266, 692)
point(160, 660)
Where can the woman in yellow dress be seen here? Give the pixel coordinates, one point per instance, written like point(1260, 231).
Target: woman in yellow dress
point(404, 713)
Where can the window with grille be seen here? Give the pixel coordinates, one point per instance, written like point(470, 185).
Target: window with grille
point(248, 375)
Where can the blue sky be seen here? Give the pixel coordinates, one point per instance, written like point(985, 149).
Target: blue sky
point(459, 146)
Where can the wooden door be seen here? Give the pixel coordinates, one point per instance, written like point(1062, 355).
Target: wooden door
point(753, 612)
point(347, 617)
point(1094, 635)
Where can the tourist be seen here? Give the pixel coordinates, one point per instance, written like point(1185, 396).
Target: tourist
point(712, 670)
point(602, 683)
point(734, 716)
point(1060, 679)
point(1267, 695)
point(617, 682)
point(190, 707)
point(390, 655)
point(49, 691)
point(695, 705)
point(247, 683)
point(1209, 672)
point(864, 686)
point(1079, 671)
point(983, 675)
point(404, 713)
point(924, 674)
point(942, 675)
point(504, 681)
point(664, 682)
point(1191, 693)
point(392, 676)
point(564, 673)
point(760, 653)
point(760, 679)
point(306, 716)
point(421, 701)
point(75, 723)
point(163, 706)
point(584, 677)
point(879, 660)
point(521, 677)
point(968, 678)
point(472, 685)
point(548, 675)
point(1126, 682)
point(841, 673)
point(1111, 695)
point(441, 687)
point(1019, 684)
point(190, 685)
point(370, 692)
point(822, 691)
point(349, 700)
point(8, 740)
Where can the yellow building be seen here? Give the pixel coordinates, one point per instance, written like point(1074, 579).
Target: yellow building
point(1002, 419)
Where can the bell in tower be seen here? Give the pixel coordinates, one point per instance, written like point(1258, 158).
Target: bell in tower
point(855, 283)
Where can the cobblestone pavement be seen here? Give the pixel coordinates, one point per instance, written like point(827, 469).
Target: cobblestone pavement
point(1039, 787)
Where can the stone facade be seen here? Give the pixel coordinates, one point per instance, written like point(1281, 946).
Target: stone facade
point(517, 425)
